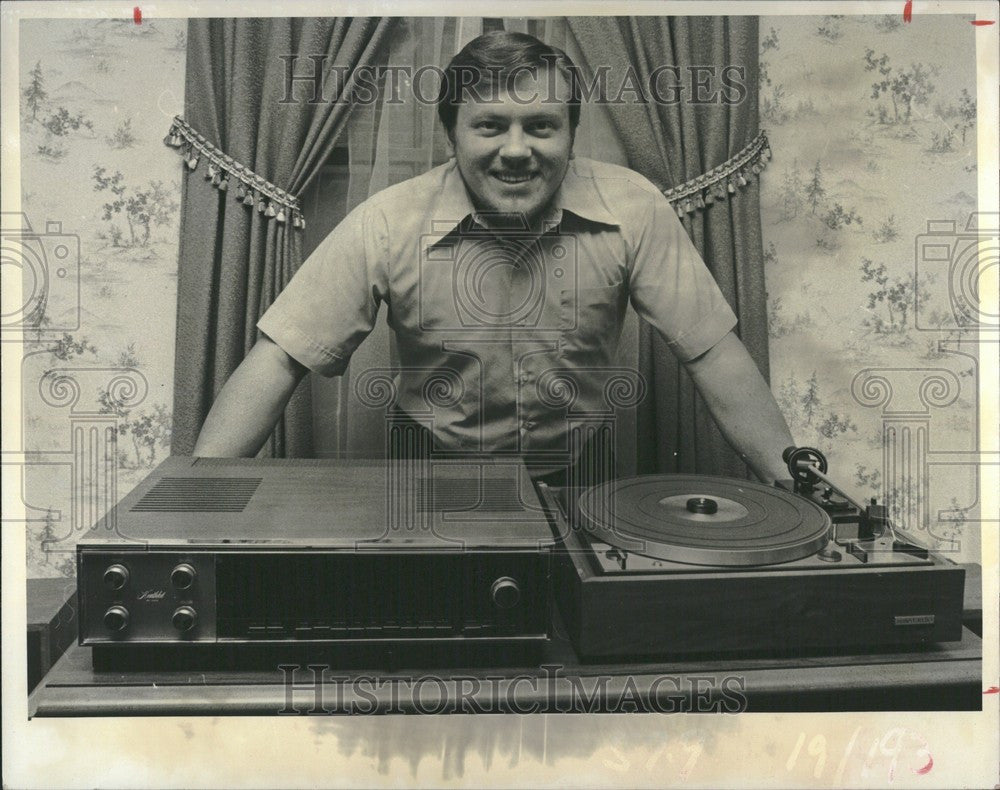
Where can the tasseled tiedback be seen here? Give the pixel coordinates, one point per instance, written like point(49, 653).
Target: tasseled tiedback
point(251, 189)
point(721, 181)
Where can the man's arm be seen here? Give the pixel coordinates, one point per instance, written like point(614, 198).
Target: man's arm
point(252, 400)
point(743, 406)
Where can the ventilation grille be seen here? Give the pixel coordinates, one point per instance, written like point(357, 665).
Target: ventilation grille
point(198, 495)
point(462, 493)
point(251, 462)
point(376, 595)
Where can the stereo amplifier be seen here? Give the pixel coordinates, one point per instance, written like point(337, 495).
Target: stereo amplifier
point(236, 551)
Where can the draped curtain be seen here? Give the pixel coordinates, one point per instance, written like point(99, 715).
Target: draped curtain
point(671, 143)
point(234, 259)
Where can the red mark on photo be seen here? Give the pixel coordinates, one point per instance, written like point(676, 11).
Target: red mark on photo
point(926, 768)
point(979, 22)
point(137, 15)
point(908, 11)
point(992, 690)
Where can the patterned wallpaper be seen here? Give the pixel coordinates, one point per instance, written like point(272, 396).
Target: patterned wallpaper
point(872, 126)
point(96, 99)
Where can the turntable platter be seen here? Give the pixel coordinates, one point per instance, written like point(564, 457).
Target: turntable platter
point(704, 520)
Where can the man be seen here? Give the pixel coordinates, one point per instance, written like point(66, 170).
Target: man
point(505, 274)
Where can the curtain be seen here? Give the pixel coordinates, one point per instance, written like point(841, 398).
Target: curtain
point(233, 259)
point(671, 143)
point(394, 138)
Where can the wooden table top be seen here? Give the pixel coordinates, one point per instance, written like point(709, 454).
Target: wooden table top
point(932, 677)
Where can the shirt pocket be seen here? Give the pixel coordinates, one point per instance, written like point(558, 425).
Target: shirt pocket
point(590, 322)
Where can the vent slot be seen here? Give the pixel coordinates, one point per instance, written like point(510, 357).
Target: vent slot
point(464, 493)
point(376, 596)
point(198, 495)
point(231, 463)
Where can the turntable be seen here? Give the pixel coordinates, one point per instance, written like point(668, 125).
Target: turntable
point(681, 564)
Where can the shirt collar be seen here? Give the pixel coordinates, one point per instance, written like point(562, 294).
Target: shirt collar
point(577, 194)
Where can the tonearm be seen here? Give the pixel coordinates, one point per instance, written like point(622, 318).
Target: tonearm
point(866, 531)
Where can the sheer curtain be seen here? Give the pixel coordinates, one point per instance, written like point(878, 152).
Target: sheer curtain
point(390, 140)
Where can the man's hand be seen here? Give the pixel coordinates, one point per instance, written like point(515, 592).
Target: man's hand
point(743, 406)
point(245, 412)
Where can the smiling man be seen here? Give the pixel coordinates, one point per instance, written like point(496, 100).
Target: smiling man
point(506, 273)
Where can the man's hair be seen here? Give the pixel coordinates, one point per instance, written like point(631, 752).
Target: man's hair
point(496, 59)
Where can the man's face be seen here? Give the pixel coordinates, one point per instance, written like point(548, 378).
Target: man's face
point(513, 149)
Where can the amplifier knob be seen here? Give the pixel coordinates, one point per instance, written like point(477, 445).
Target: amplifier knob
point(182, 576)
point(185, 618)
point(116, 618)
point(505, 592)
point(115, 577)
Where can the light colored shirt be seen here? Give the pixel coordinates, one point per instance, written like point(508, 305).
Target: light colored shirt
point(504, 337)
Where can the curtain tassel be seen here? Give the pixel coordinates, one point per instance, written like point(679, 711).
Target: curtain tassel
point(721, 181)
point(251, 189)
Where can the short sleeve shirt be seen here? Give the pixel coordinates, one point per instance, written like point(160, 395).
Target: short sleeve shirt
point(507, 339)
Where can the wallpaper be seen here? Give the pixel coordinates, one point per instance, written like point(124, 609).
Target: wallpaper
point(870, 276)
point(97, 97)
point(871, 314)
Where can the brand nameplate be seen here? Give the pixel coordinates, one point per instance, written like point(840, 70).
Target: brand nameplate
point(913, 619)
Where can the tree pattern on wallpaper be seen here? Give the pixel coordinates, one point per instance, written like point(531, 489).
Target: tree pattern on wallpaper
point(96, 96)
point(872, 124)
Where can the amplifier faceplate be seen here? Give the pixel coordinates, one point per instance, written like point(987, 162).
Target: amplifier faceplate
point(328, 596)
